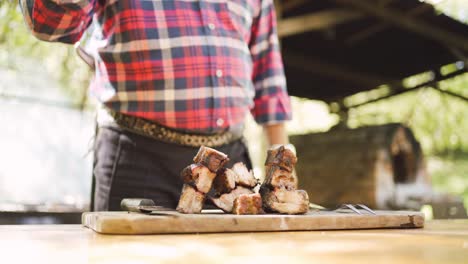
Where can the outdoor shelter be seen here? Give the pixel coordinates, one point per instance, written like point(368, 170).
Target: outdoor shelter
point(336, 48)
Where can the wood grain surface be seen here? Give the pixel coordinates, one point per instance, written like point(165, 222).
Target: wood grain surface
point(441, 241)
point(213, 222)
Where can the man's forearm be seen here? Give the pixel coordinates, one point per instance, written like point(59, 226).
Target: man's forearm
point(276, 134)
point(58, 20)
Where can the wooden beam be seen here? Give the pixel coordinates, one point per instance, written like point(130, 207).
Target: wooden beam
point(401, 90)
point(394, 17)
point(315, 21)
point(289, 5)
point(459, 54)
point(459, 96)
point(358, 37)
point(384, 2)
point(317, 66)
point(392, 94)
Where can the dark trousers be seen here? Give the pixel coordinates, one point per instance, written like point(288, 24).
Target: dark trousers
point(128, 165)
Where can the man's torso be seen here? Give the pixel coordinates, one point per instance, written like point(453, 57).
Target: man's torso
point(184, 63)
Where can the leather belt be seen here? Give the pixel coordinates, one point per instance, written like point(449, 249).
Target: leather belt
point(151, 129)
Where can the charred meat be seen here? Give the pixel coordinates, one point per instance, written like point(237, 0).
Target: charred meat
point(198, 179)
point(248, 204)
point(191, 201)
point(282, 157)
point(211, 158)
point(244, 177)
point(226, 201)
point(279, 190)
point(279, 178)
point(198, 176)
point(285, 201)
point(225, 181)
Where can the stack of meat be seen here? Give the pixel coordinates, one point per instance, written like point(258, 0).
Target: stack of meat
point(198, 179)
point(233, 187)
point(234, 191)
point(279, 190)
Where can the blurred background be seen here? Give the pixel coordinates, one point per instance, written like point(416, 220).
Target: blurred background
point(47, 122)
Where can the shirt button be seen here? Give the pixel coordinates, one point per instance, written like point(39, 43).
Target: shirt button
point(211, 26)
point(219, 122)
point(219, 73)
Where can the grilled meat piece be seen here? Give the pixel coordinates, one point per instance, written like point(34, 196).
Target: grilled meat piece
point(248, 204)
point(244, 177)
point(226, 201)
point(225, 181)
point(211, 158)
point(279, 178)
point(281, 157)
point(198, 176)
point(285, 201)
point(191, 201)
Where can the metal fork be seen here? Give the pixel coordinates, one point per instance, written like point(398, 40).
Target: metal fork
point(352, 207)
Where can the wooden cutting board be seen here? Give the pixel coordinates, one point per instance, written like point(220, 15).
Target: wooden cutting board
point(216, 222)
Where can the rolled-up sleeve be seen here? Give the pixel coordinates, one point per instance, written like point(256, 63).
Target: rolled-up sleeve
point(271, 102)
point(58, 20)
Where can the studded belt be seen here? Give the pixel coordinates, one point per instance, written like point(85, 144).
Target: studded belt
point(151, 129)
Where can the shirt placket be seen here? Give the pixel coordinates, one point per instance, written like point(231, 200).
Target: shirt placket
point(217, 73)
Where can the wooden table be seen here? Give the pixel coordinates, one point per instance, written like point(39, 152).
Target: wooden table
point(443, 241)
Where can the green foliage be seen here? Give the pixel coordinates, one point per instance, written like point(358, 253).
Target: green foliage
point(18, 47)
point(450, 174)
point(455, 8)
point(438, 120)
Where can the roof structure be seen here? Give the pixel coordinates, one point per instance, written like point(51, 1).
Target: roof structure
point(336, 48)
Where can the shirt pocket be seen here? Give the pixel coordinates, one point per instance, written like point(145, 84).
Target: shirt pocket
point(241, 14)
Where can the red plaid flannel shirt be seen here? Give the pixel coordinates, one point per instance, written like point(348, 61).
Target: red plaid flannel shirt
point(197, 65)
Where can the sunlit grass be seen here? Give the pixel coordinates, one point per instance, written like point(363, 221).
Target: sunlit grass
point(450, 174)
